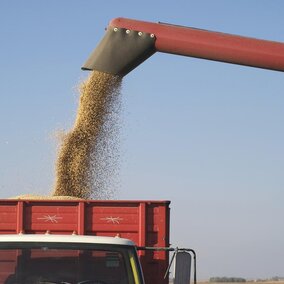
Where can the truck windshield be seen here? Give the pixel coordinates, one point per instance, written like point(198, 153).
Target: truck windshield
point(68, 263)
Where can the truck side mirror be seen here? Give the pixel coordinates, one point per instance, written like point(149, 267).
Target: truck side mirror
point(182, 268)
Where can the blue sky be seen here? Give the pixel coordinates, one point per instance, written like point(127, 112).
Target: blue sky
point(208, 136)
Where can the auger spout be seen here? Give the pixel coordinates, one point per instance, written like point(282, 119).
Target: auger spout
point(127, 43)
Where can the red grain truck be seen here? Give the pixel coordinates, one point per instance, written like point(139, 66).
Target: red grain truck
point(87, 242)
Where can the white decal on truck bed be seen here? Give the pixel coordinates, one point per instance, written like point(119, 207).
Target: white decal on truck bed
point(114, 220)
point(48, 218)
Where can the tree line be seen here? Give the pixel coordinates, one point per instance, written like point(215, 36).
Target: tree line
point(226, 279)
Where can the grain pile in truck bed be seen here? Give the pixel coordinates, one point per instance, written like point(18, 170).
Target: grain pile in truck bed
point(88, 156)
point(44, 197)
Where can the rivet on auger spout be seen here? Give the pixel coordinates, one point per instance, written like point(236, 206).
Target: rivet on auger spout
point(120, 51)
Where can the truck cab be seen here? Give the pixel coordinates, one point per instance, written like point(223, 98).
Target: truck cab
point(29, 259)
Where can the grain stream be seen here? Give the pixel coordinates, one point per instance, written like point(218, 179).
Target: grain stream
point(88, 157)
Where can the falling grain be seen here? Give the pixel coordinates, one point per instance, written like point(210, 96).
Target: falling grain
point(88, 157)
